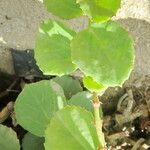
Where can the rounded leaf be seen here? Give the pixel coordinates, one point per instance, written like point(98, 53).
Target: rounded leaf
point(8, 139)
point(70, 86)
point(66, 9)
point(99, 10)
point(32, 142)
point(52, 49)
point(71, 128)
point(104, 52)
point(83, 99)
point(36, 104)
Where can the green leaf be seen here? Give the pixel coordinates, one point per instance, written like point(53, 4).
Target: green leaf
point(36, 105)
point(99, 10)
point(52, 49)
point(8, 139)
point(66, 9)
point(32, 142)
point(105, 53)
point(72, 128)
point(92, 85)
point(83, 99)
point(70, 86)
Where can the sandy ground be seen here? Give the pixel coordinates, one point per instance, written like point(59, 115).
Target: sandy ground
point(19, 21)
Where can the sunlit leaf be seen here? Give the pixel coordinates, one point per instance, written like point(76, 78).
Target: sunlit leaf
point(66, 9)
point(72, 128)
point(52, 49)
point(92, 85)
point(104, 52)
point(99, 10)
point(8, 139)
point(37, 103)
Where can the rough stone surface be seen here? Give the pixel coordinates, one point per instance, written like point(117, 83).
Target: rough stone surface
point(6, 63)
point(140, 31)
point(19, 21)
point(139, 9)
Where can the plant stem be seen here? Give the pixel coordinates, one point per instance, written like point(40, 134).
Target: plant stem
point(98, 121)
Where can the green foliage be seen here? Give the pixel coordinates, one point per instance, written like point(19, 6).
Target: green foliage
point(104, 52)
point(82, 99)
point(32, 142)
point(71, 128)
point(37, 103)
point(96, 10)
point(52, 50)
point(8, 139)
point(66, 9)
point(99, 10)
point(92, 85)
point(70, 86)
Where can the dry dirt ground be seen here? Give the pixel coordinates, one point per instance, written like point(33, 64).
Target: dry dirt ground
point(19, 20)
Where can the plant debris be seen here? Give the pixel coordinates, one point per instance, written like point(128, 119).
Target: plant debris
point(128, 127)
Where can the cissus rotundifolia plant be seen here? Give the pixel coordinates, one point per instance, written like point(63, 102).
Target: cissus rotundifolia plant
point(59, 113)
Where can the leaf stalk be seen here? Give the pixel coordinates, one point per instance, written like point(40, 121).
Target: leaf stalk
point(98, 121)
